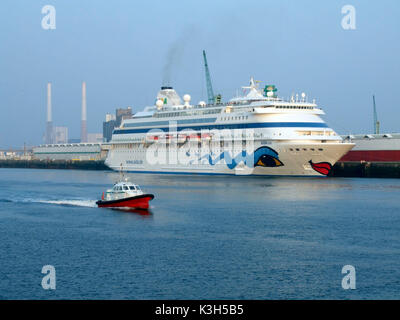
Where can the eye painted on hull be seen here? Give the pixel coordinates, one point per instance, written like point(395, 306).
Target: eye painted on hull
point(268, 161)
point(267, 157)
point(321, 167)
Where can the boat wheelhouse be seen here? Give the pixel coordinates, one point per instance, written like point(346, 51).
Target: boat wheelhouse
point(125, 194)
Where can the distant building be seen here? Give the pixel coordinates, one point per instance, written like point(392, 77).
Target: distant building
point(74, 140)
point(122, 114)
point(95, 137)
point(114, 121)
point(60, 134)
point(110, 117)
point(108, 127)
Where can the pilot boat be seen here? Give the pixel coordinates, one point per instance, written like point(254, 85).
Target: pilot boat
point(125, 194)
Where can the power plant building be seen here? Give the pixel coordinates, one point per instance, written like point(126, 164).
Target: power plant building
point(90, 146)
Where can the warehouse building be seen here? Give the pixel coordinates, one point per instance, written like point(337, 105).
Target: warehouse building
point(75, 151)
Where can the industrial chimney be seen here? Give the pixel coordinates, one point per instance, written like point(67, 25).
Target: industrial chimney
point(49, 122)
point(83, 122)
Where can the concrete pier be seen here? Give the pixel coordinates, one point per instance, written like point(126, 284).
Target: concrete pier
point(366, 169)
point(55, 164)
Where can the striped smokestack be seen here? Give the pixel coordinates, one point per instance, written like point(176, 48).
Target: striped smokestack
point(83, 122)
point(49, 122)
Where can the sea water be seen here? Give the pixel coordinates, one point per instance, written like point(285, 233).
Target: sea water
point(205, 237)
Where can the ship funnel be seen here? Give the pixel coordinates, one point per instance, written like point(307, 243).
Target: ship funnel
point(169, 96)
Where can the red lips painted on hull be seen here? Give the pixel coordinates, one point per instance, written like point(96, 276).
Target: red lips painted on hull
point(321, 167)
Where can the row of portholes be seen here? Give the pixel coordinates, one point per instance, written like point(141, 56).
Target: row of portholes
point(235, 118)
point(305, 149)
point(290, 149)
point(293, 107)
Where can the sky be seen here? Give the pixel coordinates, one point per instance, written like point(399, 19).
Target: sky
point(125, 50)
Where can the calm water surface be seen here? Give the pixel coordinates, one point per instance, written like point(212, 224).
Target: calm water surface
point(207, 237)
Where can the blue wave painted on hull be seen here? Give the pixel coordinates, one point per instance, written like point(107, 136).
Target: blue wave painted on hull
point(263, 156)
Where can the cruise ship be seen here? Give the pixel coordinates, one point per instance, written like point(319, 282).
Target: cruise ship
point(257, 133)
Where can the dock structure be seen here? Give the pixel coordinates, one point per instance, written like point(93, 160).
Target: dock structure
point(373, 148)
point(364, 169)
point(70, 151)
point(54, 164)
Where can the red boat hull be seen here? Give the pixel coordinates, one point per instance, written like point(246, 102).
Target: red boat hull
point(137, 202)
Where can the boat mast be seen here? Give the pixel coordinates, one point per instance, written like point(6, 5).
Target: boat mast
point(121, 173)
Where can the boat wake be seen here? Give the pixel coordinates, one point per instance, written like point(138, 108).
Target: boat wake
point(75, 203)
point(63, 202)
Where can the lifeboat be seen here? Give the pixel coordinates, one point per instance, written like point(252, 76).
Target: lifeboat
point(125, 194)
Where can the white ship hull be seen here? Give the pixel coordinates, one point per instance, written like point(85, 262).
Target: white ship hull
point(295, 163)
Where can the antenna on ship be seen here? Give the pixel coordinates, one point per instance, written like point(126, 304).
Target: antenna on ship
point(376, 121)
point(212, 99)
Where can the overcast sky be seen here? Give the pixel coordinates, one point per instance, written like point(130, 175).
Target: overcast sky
point(125, 50)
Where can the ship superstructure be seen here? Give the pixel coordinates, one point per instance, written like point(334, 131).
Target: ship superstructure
point(254, 134)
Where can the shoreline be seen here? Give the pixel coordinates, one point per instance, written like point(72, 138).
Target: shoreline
point(55, 164)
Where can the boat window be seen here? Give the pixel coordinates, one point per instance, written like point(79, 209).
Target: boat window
point(132, 188)
point(126, 188)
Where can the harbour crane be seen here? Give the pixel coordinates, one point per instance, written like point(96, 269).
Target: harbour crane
point(210, 91)
point(376, 121)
